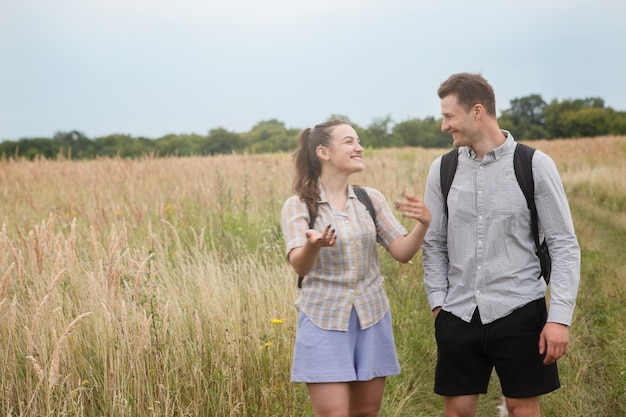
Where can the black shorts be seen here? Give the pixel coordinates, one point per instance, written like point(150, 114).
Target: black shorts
point(467, 353)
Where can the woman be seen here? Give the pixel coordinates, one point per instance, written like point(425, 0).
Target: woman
point(344, 345)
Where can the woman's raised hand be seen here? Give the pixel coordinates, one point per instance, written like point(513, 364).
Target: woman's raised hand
point(324, 239)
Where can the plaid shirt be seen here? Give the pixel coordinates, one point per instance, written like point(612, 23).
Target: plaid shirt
point(347, 274)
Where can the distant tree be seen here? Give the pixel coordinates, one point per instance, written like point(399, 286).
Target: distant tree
point(617, 122)
point(8, 148)
point(528, 109)
point(179, 145)
point(271, 136)
point(378, 134)
point(221, 141)
point(31, 148)
point(417, 132)
point(557, 119)
point(525, 118)
point(585, 122)
point(115, 145)
point(74, 144)
point(528, 117)
point(139, 147)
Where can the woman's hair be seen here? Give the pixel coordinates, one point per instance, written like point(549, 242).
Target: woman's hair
point(308, 166)
point(469, 89)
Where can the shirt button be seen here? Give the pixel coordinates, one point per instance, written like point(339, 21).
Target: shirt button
point(480, 217)
point(477, 292)
point(480, 242)
point(479, 267)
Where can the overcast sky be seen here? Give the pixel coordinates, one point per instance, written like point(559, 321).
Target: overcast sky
point(154, 67)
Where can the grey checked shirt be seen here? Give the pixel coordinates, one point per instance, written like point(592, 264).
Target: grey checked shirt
point(483, 255)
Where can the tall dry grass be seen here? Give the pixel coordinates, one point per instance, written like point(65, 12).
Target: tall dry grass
point(159, 287)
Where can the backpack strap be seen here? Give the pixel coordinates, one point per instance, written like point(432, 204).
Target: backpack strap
point(447, 170)
point(364, 198)
point(523, 165)
point(311, 225)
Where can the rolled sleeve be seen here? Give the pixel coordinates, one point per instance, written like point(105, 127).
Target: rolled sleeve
point(294, 221)
point(388, 228)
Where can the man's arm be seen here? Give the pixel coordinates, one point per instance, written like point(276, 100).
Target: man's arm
point(435, 246)
point(555, 220)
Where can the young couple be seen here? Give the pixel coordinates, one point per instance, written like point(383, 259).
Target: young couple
point(480, 267)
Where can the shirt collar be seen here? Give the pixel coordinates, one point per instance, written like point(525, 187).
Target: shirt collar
point(323, 198)
point(507, 147)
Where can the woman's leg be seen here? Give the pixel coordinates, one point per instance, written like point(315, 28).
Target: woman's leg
point(353, 399)
point(366, 397)
point(330, 399)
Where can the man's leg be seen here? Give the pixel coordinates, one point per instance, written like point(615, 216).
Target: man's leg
point(523, 407)
point(460, 406)
point(463, 370)
point(515, 349)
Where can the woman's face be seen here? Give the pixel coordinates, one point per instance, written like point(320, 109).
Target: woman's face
point(345, 152)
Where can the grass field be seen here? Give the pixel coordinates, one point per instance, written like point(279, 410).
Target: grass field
point(158, 287)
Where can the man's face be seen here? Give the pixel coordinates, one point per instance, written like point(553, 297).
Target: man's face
point(457, 121)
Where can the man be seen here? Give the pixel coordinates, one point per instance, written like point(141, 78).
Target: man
point(480, 264)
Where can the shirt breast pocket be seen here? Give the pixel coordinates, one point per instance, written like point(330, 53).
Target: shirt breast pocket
point(508, 200)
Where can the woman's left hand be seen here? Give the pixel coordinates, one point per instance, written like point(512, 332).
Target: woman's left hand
point(413, 207)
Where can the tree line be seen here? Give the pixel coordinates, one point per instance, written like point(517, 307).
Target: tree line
point(528, 118)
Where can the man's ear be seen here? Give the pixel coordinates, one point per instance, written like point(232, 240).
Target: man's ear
point(478, 111)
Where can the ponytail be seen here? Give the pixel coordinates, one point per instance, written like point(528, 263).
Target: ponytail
point(308, 166)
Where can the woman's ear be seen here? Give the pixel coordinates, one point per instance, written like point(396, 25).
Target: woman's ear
point(322, 153)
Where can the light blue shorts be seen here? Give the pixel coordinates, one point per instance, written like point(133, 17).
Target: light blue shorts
point(336, 356)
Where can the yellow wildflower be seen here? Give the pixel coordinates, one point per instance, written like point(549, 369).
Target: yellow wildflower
point(169, 210)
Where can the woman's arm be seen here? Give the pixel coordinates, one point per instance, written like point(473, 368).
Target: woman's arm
point(304, 258)
point(404, 248)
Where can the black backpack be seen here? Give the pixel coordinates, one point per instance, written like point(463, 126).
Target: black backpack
point(522, 164)
point(364, 198)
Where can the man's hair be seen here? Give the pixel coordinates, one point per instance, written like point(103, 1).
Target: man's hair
point(469, 89)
